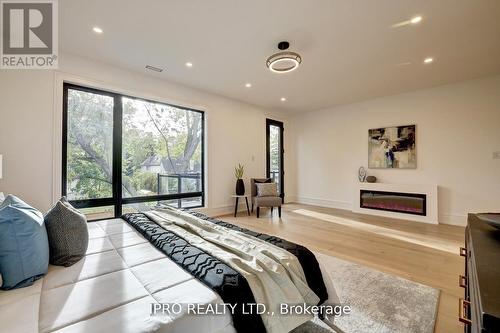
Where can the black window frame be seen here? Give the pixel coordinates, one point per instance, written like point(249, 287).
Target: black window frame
point(117, 201)
point(281, 126)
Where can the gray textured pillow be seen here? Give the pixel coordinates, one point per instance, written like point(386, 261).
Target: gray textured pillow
point(67, 233)
point(267, 189)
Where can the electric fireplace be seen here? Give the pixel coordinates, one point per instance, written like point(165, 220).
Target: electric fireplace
point(407, 203)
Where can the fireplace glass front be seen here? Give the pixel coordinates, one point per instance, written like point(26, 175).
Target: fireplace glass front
point(408, 203)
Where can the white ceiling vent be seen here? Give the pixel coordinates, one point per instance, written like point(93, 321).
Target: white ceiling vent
point(155, 69)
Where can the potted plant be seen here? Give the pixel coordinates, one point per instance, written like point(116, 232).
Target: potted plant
point(240, 185)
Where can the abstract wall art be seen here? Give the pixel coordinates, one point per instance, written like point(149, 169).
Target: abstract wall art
point(392, 148)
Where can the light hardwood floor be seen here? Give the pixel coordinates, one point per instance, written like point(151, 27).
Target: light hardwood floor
point(419, 252)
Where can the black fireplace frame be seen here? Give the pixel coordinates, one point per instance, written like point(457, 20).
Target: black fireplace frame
point(414, 195)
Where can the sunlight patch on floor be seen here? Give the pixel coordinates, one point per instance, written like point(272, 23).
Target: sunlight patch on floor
point(423, 240)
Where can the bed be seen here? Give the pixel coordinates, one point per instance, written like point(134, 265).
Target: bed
point(114, 287)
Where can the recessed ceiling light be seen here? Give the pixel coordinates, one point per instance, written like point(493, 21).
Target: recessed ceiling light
point(189, 64)
point(416, 19)
point(97, 30)
point(428, 60)
point(248, 85)
point(283, 99)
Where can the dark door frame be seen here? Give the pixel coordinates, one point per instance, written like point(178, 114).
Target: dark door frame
point(272, 122)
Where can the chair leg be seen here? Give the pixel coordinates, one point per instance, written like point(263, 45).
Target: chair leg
point(272, 211)
point(258, 212)
point(236, 207)
point(252, 207)
point(279, 211)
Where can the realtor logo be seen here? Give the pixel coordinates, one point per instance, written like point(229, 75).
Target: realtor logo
point(29, 34)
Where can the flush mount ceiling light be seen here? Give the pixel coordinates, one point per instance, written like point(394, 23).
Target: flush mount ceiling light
point(284, 61)
point(428, 60)
point(97, 30)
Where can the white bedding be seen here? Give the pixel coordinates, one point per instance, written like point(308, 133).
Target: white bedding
point(111, 290)
point(274, 275)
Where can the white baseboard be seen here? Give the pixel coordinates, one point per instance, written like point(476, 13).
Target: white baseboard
point(452, 219)
point(324, 202)
point(222, 210)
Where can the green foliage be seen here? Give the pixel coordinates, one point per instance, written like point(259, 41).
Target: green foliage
point(238, 171)
point(274, 139)
point(89, 146)
point(148, 130)
point(146, 181)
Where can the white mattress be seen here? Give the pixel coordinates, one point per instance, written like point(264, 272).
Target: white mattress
point(111, 290)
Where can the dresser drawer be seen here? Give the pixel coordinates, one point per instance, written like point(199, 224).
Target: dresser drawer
point(479, 310)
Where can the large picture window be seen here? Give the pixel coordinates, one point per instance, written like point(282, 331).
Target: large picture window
point(123, 154)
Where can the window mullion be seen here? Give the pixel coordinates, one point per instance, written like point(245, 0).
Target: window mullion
point(117, 154)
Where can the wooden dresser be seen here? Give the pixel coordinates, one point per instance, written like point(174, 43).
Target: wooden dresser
point(480, 308)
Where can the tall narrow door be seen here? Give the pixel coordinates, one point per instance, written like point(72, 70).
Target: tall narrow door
point(275, 151)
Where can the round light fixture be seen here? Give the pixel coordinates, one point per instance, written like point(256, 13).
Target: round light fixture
point(428, 60)
point(283, 99)
point(248, 85)
point(189, 64)
point(97, 30)
point(284, 61)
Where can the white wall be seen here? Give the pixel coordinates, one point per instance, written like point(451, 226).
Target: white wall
point(26, 133)
point(458, 129)
point(30, 128)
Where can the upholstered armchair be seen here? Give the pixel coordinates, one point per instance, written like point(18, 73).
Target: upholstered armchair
point(267, 201)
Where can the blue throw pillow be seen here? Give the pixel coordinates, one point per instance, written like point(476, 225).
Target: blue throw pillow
point(24, 249)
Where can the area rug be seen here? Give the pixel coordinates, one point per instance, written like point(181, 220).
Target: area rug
point(380, 302)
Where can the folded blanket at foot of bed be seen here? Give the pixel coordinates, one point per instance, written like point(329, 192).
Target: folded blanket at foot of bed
point(219, 255)
point(306, 258)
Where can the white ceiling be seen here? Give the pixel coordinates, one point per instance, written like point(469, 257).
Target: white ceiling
point(350, 51)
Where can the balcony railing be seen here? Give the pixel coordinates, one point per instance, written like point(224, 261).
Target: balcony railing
point(183, 183)
point(275, 176)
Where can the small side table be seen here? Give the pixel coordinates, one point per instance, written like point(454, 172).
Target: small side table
point(237, 200)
